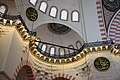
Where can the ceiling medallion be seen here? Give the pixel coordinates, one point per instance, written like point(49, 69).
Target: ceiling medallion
point(102, 64)
point(111, 5)
point(58, 28)
point(31, 14)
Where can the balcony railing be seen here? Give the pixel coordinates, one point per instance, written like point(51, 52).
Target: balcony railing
point(67, 53)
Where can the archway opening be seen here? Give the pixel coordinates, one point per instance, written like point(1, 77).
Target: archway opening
point(58, 40)
point(25, 73)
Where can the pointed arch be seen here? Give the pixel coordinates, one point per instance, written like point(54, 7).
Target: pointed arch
point(28, 68)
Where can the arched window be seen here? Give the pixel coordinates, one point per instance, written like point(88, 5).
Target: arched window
point(44, 47)
point(3, 9)
point(52, 51)
point(78, 44)
point(33, 2)
point(75, 16)
point(61, 52)
point(53, 11)
point(43, 6)
point(71, 50)
point(37, 42)
point(64, 15)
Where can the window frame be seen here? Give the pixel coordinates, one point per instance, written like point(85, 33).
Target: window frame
point(80, 44)
point(38, 39)
point(56, 11)
point(69, 49)
point(46, 47)
point(45, 9)
point(60, 53)
point(61, 14)
point(72, 16)
point(54, 50)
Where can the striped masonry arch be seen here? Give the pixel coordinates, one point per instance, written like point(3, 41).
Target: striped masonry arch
point(62, 75)
point(28, 67)
point(114, 28)
point(101, 20)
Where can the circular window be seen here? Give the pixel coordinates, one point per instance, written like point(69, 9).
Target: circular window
point(111, 5)
point(58, 28)
point(60, 78)
point(31, 14)
point(3, 9)
point(102, 64)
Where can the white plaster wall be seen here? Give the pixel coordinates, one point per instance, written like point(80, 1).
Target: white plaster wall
point(5, 42)
point(91, 20)
point(15, 54)
point(87, 28)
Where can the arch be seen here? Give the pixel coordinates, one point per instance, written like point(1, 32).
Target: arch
point(52, 51)
point(62, 75)
point(75, 16)
point(44, 47)
point(78, 44)
point(64, 23)
point(62, 52)
point(69, 50)
point(114, 28)
point(53, 11)
point(64, 15)
point(37, 43)
point(43, 6)
point(28, 67)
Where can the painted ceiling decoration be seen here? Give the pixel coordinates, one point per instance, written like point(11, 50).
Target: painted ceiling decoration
point(114, 29)
point(31, 14)
point(58, 28)
point(102, 64)
point(110, 7)
point(107, 11)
